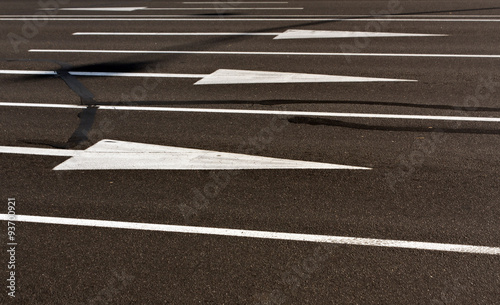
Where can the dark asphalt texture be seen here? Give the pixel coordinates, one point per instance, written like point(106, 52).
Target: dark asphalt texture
point(432, 181)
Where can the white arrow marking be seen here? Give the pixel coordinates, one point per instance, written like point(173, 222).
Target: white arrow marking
point(228, 76)
point(303, 34)
point(225, 76)
point(120, 155)
point(289, 34)
point(342, 240)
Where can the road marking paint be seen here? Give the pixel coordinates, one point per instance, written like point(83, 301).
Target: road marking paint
point(306, 34)
point(107, 74)
point(28, 72)
point(173, 34)
point(340, 240)
point(38, 151)
point(121, 155)
point(222, 8)
point(268, 53)
point(37, 105)
point(236, 2)
point(103, 9)
point(218, 19)
point(132, 9)
point(289, 34)
point(243, 17)
point(129, 74)
point(263, 112)
point(228, 76)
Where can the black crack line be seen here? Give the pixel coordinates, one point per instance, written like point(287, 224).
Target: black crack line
point(86, 97)
point(337, 123)
point(81, 133)
point(86, 116)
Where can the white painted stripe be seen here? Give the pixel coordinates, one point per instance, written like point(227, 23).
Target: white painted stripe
point(127, 74)
point(38, 151)
point(266, 112)
point(103, 9)
point(222, 8)
point(131, 9)
point(28, 72)
point(342, 240)
point(173, 34)
point(345, 17)
point(107, 74)
point(237, 2)
point(220, 19)
point(39, 105)
point(268, 53)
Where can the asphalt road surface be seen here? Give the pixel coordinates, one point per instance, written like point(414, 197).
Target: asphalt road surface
point(250, 152)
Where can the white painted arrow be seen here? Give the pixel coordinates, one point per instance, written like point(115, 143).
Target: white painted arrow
point(289, 34)
point(120, 155)
point(228, 76)
point(304, 34)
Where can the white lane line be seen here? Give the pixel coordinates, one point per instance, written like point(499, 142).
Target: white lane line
point(173, 34)
point(288, 34)
point(341, 240)
point(103, 9)
point(28, 72)
point(132, 9)
point(222, 8)
point(236, 2)
point(122, 155)
point(268, 53)
point(219, 19)
point(264, 112)
point(346, 17)
point(107, 74)
point(38, 105)
point(129, 74)
point(38, 151)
